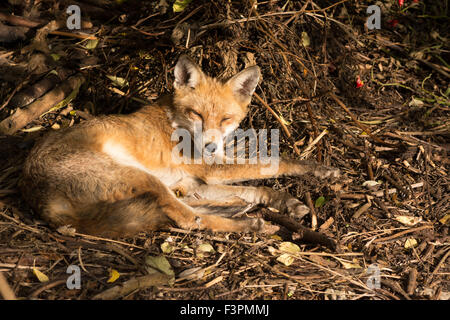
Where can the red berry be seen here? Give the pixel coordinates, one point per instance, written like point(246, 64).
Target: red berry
point(392, 23)
point(359, 82)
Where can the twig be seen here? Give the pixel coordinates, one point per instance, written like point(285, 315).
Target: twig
point(73, 35)
point(361, 210)
point(440, 263)
point(395, 287)
point(412, 281)
point(305, 152)
point(305, 234)
point(154, 279)
point(382, 207)
point(312, 211)
point(316, 132)
point(402, 233)
point(24, 116)
point(20, 21)
point(47, 286)
point(283, 126)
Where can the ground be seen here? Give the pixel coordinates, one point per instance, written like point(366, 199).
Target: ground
point(374, 103)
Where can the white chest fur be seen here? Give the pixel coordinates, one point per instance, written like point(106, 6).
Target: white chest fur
point(121, 156)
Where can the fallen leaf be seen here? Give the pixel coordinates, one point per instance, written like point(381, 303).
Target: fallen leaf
point(410, 243)
point(166, 247)
point(286, 259)
point(91, 44)
point(180, 5)
point(206, 247)
point(445, 220)
point(359, 82)
point(408, 220)
point(55, 56)
point(370, 183)
point(118, 81)
point(289, 247)
point(306, 41)
point(192, 273)
point(33, 129)
point(275, 237)
point(319, 202)
point(159, 263)
point(41, 276)
point(272, 250)
point(349, 264)
point(113, 275)
point(415, 102)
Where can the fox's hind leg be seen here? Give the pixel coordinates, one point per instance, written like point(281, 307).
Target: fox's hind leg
point(115, 201)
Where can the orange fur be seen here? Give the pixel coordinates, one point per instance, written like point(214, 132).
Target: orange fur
point(115, 175)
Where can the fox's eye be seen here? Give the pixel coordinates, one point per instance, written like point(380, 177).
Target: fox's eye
point(195, 115)
point(225, 120)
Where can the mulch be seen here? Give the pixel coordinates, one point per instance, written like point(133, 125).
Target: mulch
point(388, 132)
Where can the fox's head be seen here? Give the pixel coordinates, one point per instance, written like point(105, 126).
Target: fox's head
point(209, 108)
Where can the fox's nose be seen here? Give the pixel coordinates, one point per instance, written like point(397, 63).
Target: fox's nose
point(211, 147)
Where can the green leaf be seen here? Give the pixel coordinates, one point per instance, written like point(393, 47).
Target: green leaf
point(180, 5)
point(159, 263)
point(91, 44)
point(319, 202)
point(166, 247)
point(55, 56)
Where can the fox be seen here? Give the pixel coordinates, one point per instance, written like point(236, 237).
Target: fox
point(115, 175)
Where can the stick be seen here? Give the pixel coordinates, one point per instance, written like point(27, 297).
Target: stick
point(283, 126)
point(19, 21)
point(47, 286)
point(24, 116)
point(155, 279)
point(412, 281)
point(294, 226)
point(312, 211)
point(312, 144)
point(73, 35)
point(400, 234)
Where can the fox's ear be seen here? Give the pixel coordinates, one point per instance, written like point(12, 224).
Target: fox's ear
point(244, 83)
point(187, 73)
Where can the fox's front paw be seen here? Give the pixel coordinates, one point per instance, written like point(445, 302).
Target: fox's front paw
point(326, 172)
point(256, 224)
point(294, 207)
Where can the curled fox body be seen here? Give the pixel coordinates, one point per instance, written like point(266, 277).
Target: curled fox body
point(116, 175)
